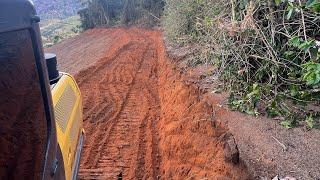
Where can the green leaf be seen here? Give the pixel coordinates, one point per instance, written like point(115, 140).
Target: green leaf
point(308, 64)
point(310, 122)
point(287, 124)
point(311, 3)
point(317, 80)
point(295, 41)
point(307, 45)
point(289, 14)
point(289, 55)
point(314, 5)
point(311, 78)
point(278, 2)
point(311, 73)
point(294, 90)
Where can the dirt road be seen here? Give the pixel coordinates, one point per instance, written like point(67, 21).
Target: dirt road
point(142, 121)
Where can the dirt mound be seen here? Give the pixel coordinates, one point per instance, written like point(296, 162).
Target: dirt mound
point(141, 120)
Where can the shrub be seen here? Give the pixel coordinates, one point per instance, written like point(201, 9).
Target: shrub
point(266, 51)
point(101, 13)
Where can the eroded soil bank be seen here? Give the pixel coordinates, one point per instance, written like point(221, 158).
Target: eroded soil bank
point(266, 147)
point(142, 120)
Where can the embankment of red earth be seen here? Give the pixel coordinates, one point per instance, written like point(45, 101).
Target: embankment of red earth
point(193, 143)
point(267, 148)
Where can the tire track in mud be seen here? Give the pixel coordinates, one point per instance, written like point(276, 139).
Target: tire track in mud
point(120, 115)
point(141, 120)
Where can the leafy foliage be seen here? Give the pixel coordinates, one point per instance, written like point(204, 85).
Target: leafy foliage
point(311, 73)
point(100, 13)
point(267, 52)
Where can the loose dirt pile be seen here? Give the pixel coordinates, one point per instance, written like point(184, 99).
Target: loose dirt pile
point(141, 120)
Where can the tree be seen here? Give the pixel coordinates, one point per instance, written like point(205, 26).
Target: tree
point(101, 13)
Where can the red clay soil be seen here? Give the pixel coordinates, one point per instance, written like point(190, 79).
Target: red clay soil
point(142, 121)
point(83, 51)
point(267, 148)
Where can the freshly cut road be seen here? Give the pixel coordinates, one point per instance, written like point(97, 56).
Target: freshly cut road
point(142, 120)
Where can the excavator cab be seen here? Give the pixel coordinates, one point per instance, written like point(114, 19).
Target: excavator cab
point(41, 123)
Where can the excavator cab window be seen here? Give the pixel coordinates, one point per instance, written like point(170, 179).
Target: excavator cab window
point(23, 125)
point(28, 144)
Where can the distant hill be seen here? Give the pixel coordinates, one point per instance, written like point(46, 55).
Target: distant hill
point(59, 19)
point(53, 9)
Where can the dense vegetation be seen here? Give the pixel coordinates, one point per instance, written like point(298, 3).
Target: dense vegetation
point(266, 52)
point(53, 9)
point(103, 13)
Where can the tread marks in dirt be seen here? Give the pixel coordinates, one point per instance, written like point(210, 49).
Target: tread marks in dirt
point(120, 115)
point(142, 120)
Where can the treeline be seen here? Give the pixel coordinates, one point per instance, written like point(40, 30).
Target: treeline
point(105, 13)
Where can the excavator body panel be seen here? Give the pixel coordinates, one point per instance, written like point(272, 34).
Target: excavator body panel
point(67, 104)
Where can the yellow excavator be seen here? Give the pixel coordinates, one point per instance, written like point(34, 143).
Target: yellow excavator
point(41, 118)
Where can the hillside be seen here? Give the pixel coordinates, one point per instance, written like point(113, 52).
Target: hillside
point(52, 9)
point(59, 19)
point(55, 30)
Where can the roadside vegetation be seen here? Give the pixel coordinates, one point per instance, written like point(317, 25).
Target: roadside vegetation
point(106, 13)
point(267, 52)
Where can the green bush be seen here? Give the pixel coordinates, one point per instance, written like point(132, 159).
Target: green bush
point(265, 49)
point(106, 13)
